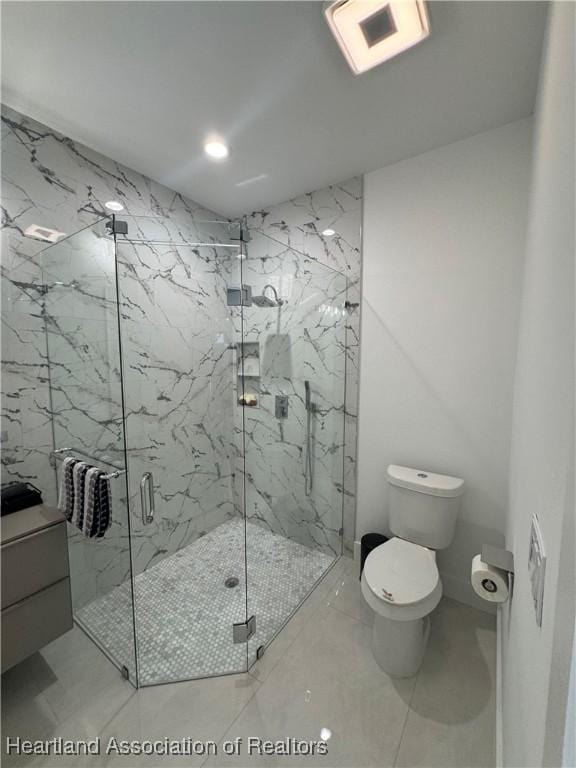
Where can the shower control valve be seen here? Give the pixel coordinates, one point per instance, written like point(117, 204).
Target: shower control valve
point(281, 406)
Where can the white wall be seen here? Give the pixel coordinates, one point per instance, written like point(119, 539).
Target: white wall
point(536, 660)
point(444, 237)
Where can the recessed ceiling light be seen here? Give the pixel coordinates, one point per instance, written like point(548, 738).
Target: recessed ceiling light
point(372, 31)
point(329, 232)
point(216, 149)
point(43, 233)
point(325, 734)
point(114, 205)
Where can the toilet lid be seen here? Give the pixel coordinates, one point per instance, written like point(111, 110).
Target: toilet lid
point(401, 572)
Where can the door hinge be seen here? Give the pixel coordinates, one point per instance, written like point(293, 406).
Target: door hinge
point(242, 632)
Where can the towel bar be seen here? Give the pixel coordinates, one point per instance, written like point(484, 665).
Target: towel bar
point(59, 454)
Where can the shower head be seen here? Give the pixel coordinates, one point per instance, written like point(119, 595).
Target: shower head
point(266, 301)
point(263, 301)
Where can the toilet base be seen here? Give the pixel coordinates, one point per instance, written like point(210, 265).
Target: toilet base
point(399, 646)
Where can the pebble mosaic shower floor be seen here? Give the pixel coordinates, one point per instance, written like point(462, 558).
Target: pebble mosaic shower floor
point(185, 612)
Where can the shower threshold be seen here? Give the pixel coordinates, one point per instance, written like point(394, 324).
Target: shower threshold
point(185, 611)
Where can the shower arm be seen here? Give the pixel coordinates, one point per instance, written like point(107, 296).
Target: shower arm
point(279, 301)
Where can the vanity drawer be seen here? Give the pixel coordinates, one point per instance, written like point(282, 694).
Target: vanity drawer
point(35, 621)
point(33, 562)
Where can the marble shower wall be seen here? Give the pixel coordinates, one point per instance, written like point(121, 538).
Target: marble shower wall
point(81, 320)
point(302, 340)
point(65, 298)
point(177, 333)
point(299, 224)
point(50, 180)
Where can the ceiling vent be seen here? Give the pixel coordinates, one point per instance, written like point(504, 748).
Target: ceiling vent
point(372, 31)
point(43, 233)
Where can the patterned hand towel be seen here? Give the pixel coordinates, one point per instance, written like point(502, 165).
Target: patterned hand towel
point(79, 479)
point(96, 517)
point(66, 496)
point(105, 502)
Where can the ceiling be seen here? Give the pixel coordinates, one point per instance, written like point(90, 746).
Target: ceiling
point(146, 82)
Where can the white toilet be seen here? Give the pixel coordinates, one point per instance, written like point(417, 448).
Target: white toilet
point(400, 580)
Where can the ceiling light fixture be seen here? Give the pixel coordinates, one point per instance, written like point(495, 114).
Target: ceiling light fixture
point(216, 149)
point(329, 232)
point(372, 31)
point(43, 233)
point(114, 205)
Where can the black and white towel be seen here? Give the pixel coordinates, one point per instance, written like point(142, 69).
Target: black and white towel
point(66, 496)
point(79, 479)
point(85, 498)
point(96, 517)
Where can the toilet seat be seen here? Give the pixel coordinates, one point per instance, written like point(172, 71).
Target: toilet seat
point(400, 580)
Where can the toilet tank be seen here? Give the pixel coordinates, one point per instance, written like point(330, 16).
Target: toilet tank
point(423, 506)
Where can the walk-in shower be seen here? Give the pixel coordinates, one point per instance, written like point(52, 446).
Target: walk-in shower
point(218, 532)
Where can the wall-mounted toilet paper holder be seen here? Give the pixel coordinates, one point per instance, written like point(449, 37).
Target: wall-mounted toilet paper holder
point(499, 558)
point(492, 574)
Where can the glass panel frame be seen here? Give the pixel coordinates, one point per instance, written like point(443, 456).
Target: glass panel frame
point(153, 308)
point(84, 369)
point(294, 532)
point(177, 340)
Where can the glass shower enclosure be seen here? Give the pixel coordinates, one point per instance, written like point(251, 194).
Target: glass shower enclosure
point(202, 367)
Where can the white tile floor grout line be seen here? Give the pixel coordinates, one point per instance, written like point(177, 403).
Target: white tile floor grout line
point(227, 727)
point(122, 706)
point(324, 581)
point(408, 710)
point(234, 719)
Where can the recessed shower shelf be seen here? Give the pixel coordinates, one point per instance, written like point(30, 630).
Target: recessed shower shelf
point(248, 385)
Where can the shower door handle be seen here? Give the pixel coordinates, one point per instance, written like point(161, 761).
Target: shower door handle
point(147, 497)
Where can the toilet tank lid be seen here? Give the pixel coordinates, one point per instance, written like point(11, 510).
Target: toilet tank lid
point(425, 482)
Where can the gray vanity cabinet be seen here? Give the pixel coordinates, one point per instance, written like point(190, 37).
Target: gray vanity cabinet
point(36, 602)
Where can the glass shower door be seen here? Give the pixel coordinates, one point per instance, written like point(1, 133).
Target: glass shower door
point(188, 532)
point(84, 369)
point(210, 382)
point(293, 428)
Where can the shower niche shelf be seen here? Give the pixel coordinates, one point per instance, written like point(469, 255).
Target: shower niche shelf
point(249, 359)
point(248, 374)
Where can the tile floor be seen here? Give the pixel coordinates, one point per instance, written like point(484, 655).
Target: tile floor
point(185, 612)
point(318, 673)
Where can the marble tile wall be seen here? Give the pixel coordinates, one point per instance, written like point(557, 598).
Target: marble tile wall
point(300, 223)
point(63, 300)
point(177, 336)
point(180, 426)
point(85, 405)
point(50, 180)
point(304, 339)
